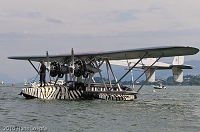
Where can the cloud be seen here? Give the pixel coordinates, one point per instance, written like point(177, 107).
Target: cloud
point(37, 26)
point(34, 14)
point(53, 20)
point(123, 16)
point(99, 17)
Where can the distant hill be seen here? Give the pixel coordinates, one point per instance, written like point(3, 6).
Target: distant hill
point(7, 79)
point(120, 71)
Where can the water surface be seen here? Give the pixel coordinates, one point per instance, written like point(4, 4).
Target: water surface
point(175, 109)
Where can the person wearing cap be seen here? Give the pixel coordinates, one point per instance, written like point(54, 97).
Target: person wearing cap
point(42, 73)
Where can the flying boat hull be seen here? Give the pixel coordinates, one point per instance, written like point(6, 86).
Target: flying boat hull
point(67, 93)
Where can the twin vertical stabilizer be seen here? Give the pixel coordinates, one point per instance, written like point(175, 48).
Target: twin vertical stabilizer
point(176, 70)
point(176, 66)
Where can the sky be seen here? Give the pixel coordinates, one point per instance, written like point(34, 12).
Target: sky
point(30, 27)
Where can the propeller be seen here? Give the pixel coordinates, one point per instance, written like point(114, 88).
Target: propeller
point(72, 65)
point(48, 65)
point(72, 58)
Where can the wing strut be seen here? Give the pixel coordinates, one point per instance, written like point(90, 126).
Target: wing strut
point(132, 79)
point(33, 65)
point(108, 73)
point(130, 69)
point(55, 81)
point(101, 77)
point(149, 75)
point(107, 61)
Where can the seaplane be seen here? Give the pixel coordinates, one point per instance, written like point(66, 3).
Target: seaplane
point(79, 69)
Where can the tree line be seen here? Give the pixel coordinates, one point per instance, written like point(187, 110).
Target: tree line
point(192, 80)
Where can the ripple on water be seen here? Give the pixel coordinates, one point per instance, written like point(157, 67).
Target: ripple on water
point(173, 109)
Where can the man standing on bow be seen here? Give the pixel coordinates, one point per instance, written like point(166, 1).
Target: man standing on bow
point(42, 73)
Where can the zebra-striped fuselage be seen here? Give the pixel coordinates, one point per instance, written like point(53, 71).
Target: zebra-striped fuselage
point(64, 92)
point(52, 92)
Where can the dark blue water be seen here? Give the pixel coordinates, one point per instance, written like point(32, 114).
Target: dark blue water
point(175, 109)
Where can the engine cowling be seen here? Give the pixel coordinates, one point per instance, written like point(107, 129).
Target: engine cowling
point(81, 69)
point(57, 70)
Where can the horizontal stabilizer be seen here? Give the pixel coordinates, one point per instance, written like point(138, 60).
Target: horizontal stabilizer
point(178, 74)
point(149, 61)
point(182, 66)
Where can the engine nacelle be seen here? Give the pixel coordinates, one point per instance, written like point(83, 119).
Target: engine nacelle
point(80, 69)
point(58, 70)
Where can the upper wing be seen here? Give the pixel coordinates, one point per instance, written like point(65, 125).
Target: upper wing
point(153, 52)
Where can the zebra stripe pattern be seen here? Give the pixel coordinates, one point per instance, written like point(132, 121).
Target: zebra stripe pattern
point(116, 97)
point(63, 92)
point(52, 92)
